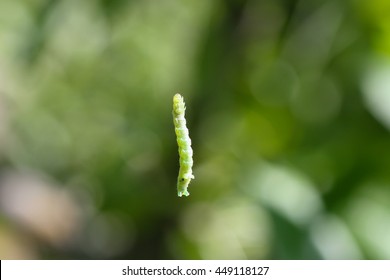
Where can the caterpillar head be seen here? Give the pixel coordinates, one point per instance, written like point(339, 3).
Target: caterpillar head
point(178, 104)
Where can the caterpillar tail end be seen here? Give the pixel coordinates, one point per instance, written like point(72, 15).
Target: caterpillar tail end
point(181, 193)
point(182, 184)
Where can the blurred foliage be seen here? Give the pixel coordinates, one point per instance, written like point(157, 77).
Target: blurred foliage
point(287, 106)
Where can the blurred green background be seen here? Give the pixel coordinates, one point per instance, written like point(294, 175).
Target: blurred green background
point(288, 106)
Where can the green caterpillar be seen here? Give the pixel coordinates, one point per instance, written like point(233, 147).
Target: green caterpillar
point(184, 143)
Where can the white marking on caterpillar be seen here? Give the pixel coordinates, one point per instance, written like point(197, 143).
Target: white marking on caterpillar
point(184, 143)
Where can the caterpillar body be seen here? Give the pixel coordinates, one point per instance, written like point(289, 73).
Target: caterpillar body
point(184, 143)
